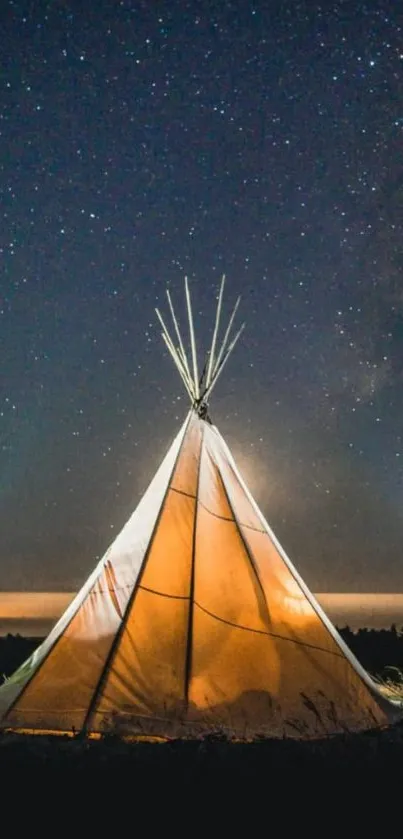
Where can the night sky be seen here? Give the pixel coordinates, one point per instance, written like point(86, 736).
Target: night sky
point(142, 141)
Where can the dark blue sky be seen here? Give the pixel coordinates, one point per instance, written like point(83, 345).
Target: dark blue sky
point(144, 140)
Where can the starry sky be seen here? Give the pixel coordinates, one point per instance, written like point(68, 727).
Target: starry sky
point(142, 141)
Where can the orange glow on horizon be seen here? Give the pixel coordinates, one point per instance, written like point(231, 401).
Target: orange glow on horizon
point(357, 610)
point(32, 605)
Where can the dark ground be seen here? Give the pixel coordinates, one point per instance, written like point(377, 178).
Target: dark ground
point(209, 766)
point(323, 781)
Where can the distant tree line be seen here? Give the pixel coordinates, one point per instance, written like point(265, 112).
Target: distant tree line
point(14, 650)
point(376, 649)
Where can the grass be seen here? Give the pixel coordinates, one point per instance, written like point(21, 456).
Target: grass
point(206, 762)
point(392, 685)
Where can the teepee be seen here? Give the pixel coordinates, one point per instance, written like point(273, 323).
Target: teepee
point(195, 618)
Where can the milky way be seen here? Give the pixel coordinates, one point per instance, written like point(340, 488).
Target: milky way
point(145, 141)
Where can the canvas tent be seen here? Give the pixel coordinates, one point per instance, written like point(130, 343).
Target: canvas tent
point(195, 619)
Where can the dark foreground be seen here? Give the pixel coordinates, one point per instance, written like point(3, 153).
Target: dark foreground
point(205, 764)
point(212, 769)
point(343, 788)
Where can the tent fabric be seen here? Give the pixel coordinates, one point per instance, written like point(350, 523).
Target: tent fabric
point(195, 619)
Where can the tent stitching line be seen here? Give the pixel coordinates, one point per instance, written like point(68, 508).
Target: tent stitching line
point(238, 625)
point(101, 566)
point(217, 515)
point(93, 708)
point(355, 665)
point(163, 593)
point(245, 544)
point(264, 632)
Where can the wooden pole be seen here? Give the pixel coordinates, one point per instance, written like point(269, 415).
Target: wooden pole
point(215, 333)
point(179, 337)
point(219, 370)
point(226, 337)
point(171, 350)
point(192, 340)
point(178, 362)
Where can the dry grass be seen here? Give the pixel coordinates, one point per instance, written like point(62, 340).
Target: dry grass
point(392, 685)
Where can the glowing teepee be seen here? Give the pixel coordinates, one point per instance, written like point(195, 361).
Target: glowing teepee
point(195, 618)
